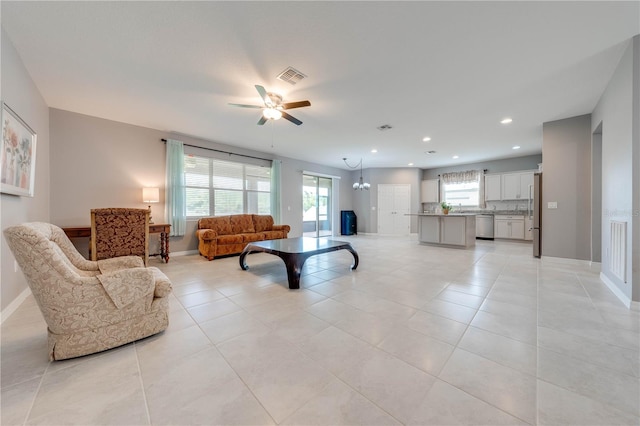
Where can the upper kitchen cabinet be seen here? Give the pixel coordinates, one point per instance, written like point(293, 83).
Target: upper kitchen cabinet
point(430, 191)
point(492, 187)
point(516, 186)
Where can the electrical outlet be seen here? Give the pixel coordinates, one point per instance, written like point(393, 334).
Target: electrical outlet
point(15, 266)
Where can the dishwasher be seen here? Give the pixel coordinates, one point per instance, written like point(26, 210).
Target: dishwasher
point(484, 226)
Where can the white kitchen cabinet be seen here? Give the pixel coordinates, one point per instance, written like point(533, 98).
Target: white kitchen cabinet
point(430, 229)
point(450, 230)
point(430, 191)
point(526, 185)
point(492, 187)
point(511, 227)
point(515, 186)
point(453, 230)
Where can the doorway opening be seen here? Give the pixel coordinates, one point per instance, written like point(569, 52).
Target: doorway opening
point(317, 206)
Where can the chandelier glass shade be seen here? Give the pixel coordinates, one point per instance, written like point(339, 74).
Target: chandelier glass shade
point(361, 184)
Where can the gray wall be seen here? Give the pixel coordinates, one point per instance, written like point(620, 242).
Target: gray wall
point(528, 162)
point(21, 94)
point(566, 179)
point(102, 163)
point(617, 113)
point(365, 203)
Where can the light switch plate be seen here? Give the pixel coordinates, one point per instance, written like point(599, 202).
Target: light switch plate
point(552, 205)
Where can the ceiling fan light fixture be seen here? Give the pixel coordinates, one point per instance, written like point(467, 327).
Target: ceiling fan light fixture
point(272, 113)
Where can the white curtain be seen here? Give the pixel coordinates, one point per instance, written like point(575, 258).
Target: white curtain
point(276, 204)
point(467, 176)
point(175, 192)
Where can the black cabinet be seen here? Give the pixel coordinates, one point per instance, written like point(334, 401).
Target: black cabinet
point(348, 222)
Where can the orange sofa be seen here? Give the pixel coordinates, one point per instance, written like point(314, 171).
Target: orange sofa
point(223, 235)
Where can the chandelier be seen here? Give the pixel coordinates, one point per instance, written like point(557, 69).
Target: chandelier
point(361, 184)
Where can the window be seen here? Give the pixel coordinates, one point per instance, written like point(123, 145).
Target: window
point(462, 194)
point(216, 187)
point(462, 188)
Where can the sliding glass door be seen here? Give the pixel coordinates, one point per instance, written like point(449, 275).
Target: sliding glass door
point(317, 207)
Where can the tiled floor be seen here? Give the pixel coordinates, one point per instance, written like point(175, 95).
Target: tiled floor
point(417, 335)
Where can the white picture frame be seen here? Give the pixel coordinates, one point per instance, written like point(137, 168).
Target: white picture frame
point(18, 155)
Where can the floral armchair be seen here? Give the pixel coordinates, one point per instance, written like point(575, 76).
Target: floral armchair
point(119, 232)
point(89, 306)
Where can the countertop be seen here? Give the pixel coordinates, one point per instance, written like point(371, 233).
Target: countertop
point(478, 212)
point(441, 214)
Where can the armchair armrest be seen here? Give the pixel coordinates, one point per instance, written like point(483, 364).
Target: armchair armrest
point(114, 264)
point(207, 234)
point(128, 285)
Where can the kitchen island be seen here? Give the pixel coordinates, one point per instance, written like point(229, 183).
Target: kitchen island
point(453, 230)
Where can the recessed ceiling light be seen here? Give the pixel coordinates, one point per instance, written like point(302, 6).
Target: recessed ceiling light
point(410, 164)
point(455, 157)
point(426, 139)
point(516, 147)
point(506, 120)
point(374, 150)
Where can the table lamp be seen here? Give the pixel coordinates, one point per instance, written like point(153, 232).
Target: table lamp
point(150, 195)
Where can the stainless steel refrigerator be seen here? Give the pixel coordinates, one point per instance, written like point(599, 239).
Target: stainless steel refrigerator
point(536, 213)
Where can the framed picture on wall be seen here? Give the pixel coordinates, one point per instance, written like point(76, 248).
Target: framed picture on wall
point(18, 165)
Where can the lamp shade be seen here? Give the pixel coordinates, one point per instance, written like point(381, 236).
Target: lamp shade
point(150, 195)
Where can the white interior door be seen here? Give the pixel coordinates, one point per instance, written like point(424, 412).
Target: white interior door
point(394, 203)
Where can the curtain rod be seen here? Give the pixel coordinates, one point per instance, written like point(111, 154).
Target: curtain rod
point(224, 152)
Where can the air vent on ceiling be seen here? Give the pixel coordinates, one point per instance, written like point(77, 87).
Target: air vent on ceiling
point(429, 152)
point(384, 127)
point(291, 75)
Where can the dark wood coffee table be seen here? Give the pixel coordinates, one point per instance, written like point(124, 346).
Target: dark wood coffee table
point(295, 251)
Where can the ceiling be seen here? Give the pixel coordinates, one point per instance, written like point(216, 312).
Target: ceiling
point(447, 70)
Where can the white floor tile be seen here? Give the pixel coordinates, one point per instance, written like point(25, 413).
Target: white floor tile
point(503, 387)
point(488, 335)
point(448, 405)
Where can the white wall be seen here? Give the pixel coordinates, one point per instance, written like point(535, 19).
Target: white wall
point(617, 113)
point(22, 95)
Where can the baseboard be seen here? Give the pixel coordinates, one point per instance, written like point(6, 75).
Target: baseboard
point(183, 253)
point(13, 306)
point(619, 294)
point(567, 260)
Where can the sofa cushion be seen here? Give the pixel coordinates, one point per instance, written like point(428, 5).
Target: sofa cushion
point(241, 224)
point(272, 235)
point(250, 238)
point(262, 222)
point(220, 224)
point(230, 239)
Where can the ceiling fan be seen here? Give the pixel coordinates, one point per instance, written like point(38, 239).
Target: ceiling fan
point(273, 108)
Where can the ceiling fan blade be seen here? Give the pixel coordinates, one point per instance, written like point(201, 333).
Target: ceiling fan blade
point(291, 119)
point(298, 104)
point(264, 96)
point(247, 106)
point(262, 121)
